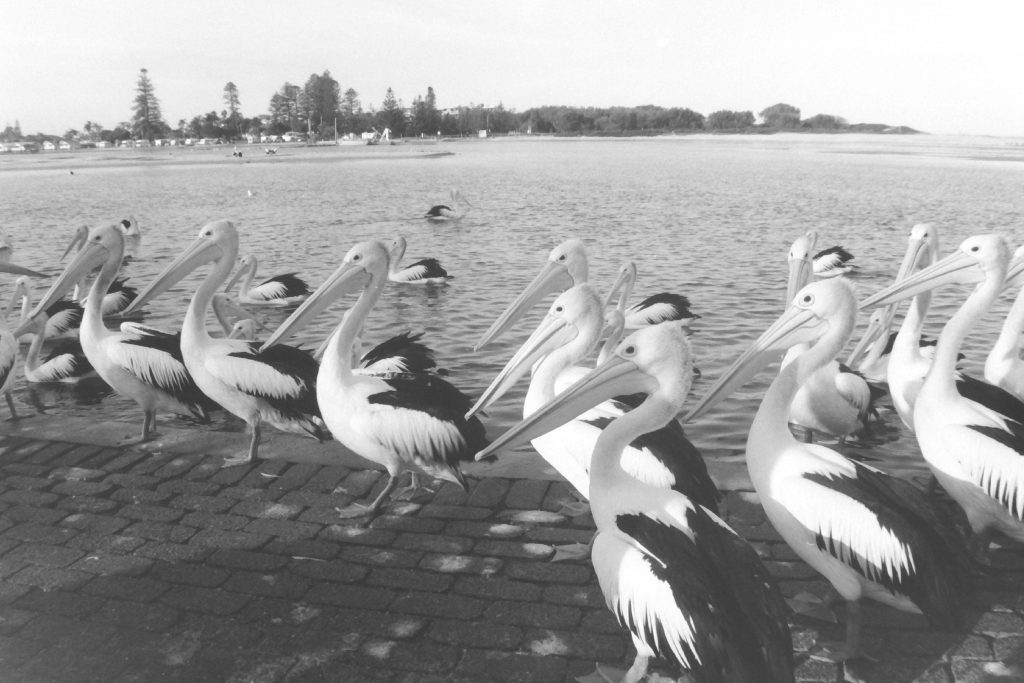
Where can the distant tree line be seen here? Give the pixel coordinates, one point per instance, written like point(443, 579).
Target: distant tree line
point(322, 110)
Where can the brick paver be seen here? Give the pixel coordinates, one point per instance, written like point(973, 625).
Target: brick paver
point(121, 566)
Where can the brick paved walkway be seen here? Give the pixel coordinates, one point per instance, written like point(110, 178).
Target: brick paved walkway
point(120, 565)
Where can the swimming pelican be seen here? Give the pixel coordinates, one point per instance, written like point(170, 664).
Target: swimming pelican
point(9, 343)
point(442, 212)
point(685, 585)
point(871, 535)
point(428, 271)
point(834, 399)
point(1003, 366)
point(132, 237)
point(66, 362)
point(280, 290)
point(972, 449)
point(64, 317)
point(409, 422)
point(140, 362)
point(832, 262)
point(275, 386)
point(664, 458)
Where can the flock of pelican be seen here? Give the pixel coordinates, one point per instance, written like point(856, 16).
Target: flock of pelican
point(677, 577)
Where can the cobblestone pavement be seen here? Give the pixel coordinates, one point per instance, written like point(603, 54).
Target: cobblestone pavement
point(118, 565)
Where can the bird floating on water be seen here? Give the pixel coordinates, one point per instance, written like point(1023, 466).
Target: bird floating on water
point(833, 262)
point(428, 271)
point(279, 290)
point(440, 213)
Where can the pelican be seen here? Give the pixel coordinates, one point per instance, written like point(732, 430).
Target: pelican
point(685, 585)
point(6, 247)
point(428, 271)
point(664, 458)
point(1003, 366)
point(132, 237)
point(972, 448)
point(140, 362)
point(834, 399)
point(243, 328)
point(832, 262)
point(403, 422)
point(64, 317)
point(66, 362)
point(871, 535)
point(274, 386)
point(440, 213)
point(9, 343)
point(402, 354)
point(280, 290)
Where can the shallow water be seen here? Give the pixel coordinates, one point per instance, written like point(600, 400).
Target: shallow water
point(712, 218)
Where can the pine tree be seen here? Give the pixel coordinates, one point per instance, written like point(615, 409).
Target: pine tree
point(147, 122)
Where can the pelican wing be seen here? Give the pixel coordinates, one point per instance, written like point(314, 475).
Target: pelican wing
point(63, 361)
point(402, 353)
point(854, 389)
point(695, 592)
point(659, 308)
point(154, 357)
point(426, 421)
point(438, 210)
point(421, 270)
point(1000, 472)
point(888, 532)
point(831, 259)
point(990, 396)
point(8, 356)
point(283, 376)
point(280, 287)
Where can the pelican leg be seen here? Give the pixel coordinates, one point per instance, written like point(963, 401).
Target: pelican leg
point(358, 510)
point(409, 492)
point(979, 545)
point(148, 426)
point(10, 404)
point(854, 620)
point(254, 448)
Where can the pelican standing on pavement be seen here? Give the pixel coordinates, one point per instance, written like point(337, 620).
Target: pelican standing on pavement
point(428, 271)
point(664, 457)
point(9, 343)
point(275, 386)
point(684, 584)
point(139, 362)
point(871, 535)
point(973, 449)
point(833, 399)
point(280, 290)
point(410, 422)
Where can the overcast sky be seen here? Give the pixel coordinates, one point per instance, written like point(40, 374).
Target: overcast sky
point(936, 65)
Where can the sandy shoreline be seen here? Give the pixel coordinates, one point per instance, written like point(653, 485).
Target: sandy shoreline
point(218, 154)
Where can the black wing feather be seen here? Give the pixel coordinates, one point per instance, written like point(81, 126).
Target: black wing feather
point(992, 397)
point(186, 390)
point(740, 619)
point(293, 285)
point(418, 357)
point(300, 365)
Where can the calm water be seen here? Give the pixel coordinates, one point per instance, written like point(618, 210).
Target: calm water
point(711, 218)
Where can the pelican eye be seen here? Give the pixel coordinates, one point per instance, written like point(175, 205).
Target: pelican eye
point(357, 257)
point(559, 309)
point(975, 248)
point(629, 350)
point(807, 299)
point(562, 257)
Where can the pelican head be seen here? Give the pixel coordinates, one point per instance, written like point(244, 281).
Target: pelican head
point(573, 319)
point(976, 257)
point(814, 311)
point(623, 286)
point(801, 264)
point(397, 249)
point(566, 266)
point(216, 241)
point(101, 247)
point(654, 360)
point(246, 265)
point(130, 227)
point(365, 265)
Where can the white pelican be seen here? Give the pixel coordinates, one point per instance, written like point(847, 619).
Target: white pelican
point(140, 362)
point(66, 362)
point(664, 458)
point(9, 343)
point(685, 585)
point(973, 449)
point(428, 271)
point(1003, 366)
point(832, 262)
point(834, 399)
point(408, 422)
point(440, 213)
point(657, 308)
point(130, 227)
point(280, 290)
point(274, 386)
point(244, 328)
point(402, 354)
point(871, 535)
point(64, 316)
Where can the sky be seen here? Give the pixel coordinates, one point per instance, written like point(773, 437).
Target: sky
point(938, 66)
